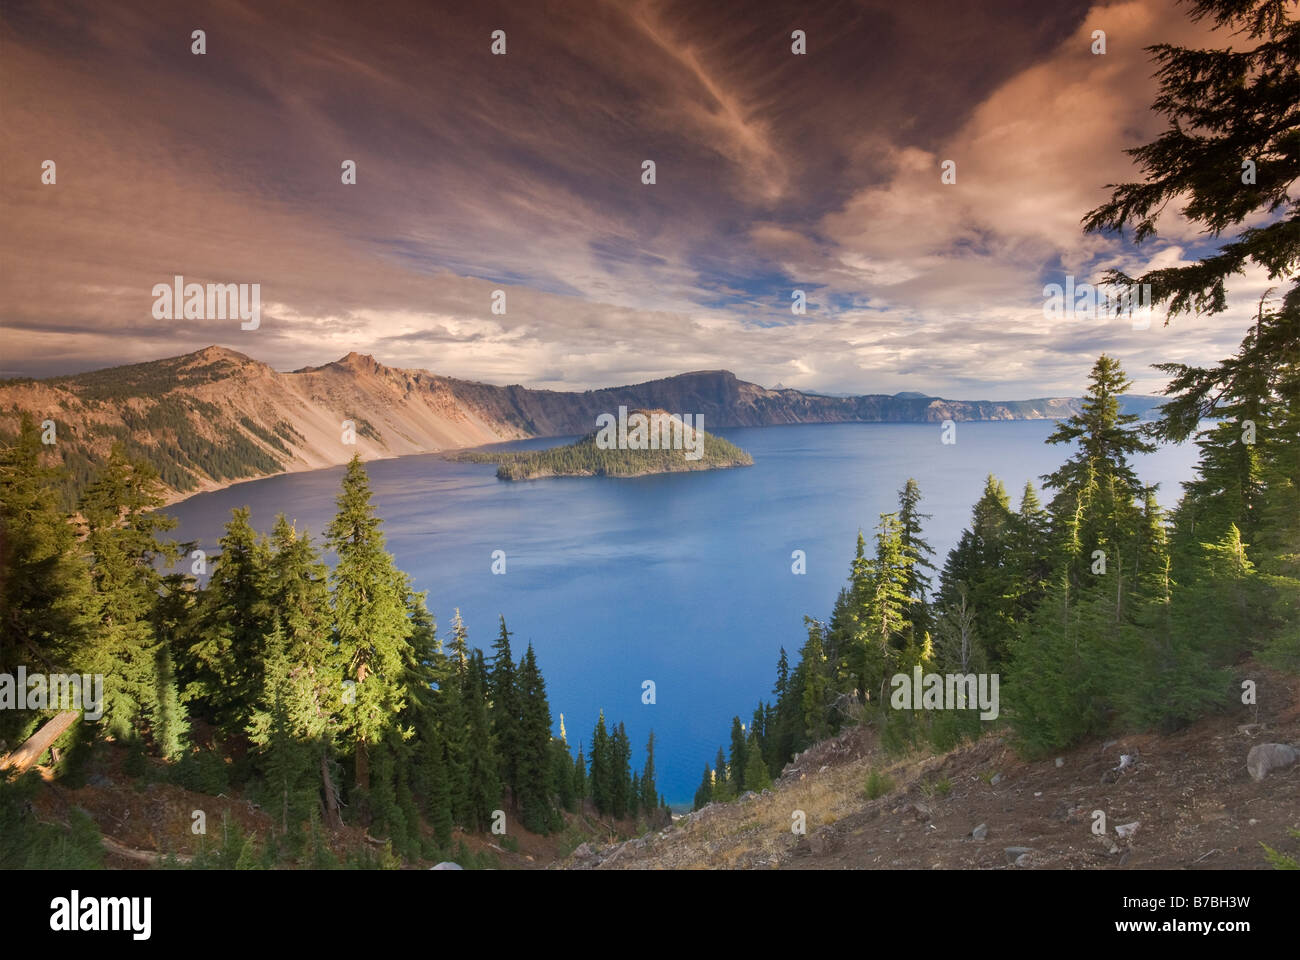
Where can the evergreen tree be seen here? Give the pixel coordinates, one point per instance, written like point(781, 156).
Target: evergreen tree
point(371, 621)
point(621, 773)
point(1223, 105)
point(756, 775)
point(122, 527)
point(813, 683)
point(535, 766)
point(580, 785)
point(507, 711)
point(451, 676)
point(739, 757)
point(562, 770)
point(224, 666)
point(46, 613)
point(481, 759)
point(602, 768)
point(980, 563)
point(704, 794)
point(919, 557)
point(649, 797)
point(722, 791)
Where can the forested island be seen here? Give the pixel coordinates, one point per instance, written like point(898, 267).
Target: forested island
point(588, 457)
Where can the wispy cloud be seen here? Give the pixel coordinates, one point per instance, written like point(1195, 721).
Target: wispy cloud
point(522, 173)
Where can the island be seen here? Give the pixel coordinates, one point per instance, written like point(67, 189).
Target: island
point(658, 442)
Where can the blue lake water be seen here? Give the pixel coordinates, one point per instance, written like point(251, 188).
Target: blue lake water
point(682, 579)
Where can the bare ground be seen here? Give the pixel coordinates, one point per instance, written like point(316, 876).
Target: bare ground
point(1196, 805)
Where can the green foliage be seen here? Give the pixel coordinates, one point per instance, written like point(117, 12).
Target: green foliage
point(586, 459)
point(27, 843)
point(1281, 861)
point(878, 784)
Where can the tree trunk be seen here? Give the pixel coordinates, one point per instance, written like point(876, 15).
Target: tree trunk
point(332, 818)
point(40, 741)
point(363, 766)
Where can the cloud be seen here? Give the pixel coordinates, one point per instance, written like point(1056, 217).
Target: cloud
point(522, 173)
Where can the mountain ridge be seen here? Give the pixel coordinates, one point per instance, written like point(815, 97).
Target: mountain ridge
point(217, 416)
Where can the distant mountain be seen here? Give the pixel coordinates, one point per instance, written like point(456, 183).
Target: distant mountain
point(215, 416)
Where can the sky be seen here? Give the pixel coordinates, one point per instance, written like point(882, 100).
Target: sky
point(523, 172)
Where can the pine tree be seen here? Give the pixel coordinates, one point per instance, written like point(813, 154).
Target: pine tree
point(371, 624)
point(621, 773)
point(756, 775)
point(122, 527)
point(535, 768)
point(507, 709)
point(562, 770)
point(451, 676)
point(602, 768)
point(722, 792)
point(980, 563)
point(919, 557)
point(739, 757)
point(788, 713)
point(46, 614)
point(813, 684)
point(426, 758)
point(704, 794)
point(223, 667)
point(481, 759)
point(1224, 105)
point(649, 796)
point(580, 784)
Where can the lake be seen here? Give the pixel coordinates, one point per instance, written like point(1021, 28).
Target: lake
point(682, 579)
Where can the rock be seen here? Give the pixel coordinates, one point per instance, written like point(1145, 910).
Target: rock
point(1266, 757)
point(446, 865)
point(820, 841)
point(747, 796)
point(766, 793)
point(981, 832)
point(1110, 776)
point(1015, 853)
point(584, 851)
point(1249, 729)
point(921, 811)
point(997, 778)
point(1024, 859)
point(1060, 761)
point(1126, 830)
point(1111, 846)
point(823, 768)
point(1126, 761)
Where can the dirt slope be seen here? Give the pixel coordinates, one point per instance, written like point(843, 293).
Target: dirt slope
point(1190, 792)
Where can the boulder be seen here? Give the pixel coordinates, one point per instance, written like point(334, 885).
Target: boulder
point(980, 832)
point(1266, 757)
point(1014, 854)
point(446, 865)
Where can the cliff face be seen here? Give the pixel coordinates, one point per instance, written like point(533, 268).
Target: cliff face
point(212, 417)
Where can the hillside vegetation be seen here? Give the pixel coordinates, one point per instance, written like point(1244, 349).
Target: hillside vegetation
point(587, 458)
